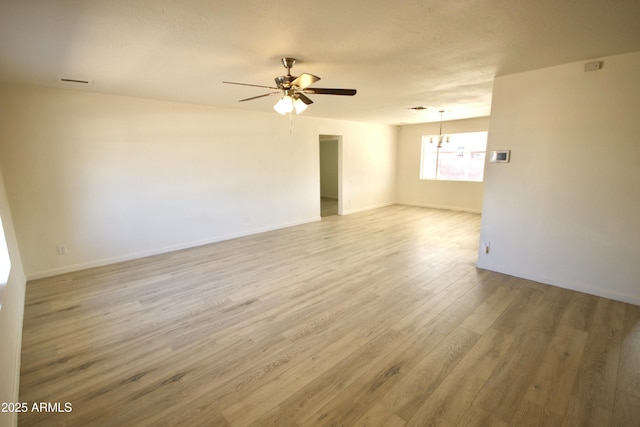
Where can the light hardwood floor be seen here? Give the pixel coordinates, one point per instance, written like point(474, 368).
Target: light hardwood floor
point(374, 319)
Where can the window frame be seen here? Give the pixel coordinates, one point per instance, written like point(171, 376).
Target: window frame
point(430, 165)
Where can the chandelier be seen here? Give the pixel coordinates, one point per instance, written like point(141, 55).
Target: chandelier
point(441, 138)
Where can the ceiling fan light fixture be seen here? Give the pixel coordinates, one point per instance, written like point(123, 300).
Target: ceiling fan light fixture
point(299, 105)
point(284, 105)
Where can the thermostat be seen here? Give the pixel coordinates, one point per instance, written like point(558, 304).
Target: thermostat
point(500, 156)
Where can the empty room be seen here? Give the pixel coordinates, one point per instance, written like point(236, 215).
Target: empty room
point(342, 213)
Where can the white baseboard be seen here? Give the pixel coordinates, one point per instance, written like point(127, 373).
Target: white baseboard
point(446, 208)
point(599, 292)
point(367, 208)
point(136, 255)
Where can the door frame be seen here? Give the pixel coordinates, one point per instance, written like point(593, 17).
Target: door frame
point(332, 137)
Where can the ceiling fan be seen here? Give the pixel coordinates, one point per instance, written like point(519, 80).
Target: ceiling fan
point(293, 90)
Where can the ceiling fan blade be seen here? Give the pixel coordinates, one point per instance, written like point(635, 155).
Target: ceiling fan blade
point(319, 91)
point(304, 80)
point(259, 96)
point(247, 84)
point(304, 98)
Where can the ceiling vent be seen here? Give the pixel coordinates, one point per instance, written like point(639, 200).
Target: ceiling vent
point(66, 81)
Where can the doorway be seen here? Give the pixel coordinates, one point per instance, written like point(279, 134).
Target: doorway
point(330, 165)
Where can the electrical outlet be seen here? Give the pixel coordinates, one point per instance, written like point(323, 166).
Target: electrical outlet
point(593, 66)
point(486, 245)
point(62, 249)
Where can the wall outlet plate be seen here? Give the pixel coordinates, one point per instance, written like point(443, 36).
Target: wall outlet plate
point(592, 66)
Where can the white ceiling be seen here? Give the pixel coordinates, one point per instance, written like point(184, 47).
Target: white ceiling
point(397, 54)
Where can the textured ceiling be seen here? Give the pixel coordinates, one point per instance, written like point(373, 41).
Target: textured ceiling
point(432, 53)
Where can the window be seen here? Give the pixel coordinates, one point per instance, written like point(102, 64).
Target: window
point(5, 262)
point(461, 159)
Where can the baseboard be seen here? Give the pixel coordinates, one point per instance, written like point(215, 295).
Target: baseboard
point(446, 208)
point(631, 299)
point(137, 255)
point(368, 208)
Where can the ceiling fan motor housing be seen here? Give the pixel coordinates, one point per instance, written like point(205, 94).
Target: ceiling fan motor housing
point(284, 82)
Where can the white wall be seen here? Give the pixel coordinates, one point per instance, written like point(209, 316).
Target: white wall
point(411, 190)
point(11, 315)
point(115, 178)
point(329, 168)
point(566, 210)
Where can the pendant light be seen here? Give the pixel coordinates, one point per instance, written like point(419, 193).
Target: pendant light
point(441, 138)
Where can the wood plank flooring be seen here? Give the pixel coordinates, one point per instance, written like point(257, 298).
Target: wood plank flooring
point(374, 319)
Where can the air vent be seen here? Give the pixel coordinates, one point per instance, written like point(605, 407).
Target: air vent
point(75, 81)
